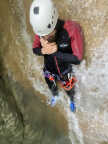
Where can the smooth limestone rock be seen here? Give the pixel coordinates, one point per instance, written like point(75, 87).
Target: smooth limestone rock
point(24, 116)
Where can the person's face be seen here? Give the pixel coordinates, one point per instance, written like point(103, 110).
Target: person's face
point(50, 37)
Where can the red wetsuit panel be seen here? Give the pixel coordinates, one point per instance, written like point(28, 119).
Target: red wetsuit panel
point(36, 43)
point(76, 36)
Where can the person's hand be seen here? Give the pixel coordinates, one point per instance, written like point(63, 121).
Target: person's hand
point(48, 48)
point(43, 42)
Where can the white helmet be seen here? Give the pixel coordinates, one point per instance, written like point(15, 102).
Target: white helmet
point(43, 17)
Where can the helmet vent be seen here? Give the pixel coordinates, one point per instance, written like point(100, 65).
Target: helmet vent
point(36, 10)
point(49, 26)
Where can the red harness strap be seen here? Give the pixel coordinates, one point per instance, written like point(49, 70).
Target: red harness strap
point(69, 84)
point(58, 67)
point(51, 78)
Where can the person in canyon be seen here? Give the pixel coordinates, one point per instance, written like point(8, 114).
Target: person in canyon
point(61, 44)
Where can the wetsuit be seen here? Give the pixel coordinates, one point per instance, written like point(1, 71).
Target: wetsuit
point(69, 41)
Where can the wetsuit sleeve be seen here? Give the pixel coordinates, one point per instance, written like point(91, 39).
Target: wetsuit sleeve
point(67, 57)
point(37, 46)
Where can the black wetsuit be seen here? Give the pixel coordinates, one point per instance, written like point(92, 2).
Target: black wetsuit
point(70, 44)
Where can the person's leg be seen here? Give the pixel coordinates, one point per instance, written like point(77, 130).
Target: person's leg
point(52, 86)
point(71, 93)
point(66, 77)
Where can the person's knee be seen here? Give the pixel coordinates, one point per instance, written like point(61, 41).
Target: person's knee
point(54, 90)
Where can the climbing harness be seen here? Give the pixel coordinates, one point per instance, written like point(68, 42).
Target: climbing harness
point(66, 84)
point(69, 84)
